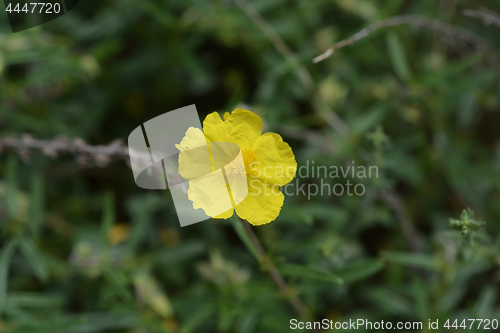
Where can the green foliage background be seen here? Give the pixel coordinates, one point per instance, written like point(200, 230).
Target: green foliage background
point(86, 250)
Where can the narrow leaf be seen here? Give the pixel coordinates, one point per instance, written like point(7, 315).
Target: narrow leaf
point(108, 218)
point(248, 323)
point(35, 260)
point(421, 299)
point(360, 270)
point(391, 302)
point(198, 318)
point(12, 186)
point(309, 273)
point(34, 300)
point(36, 204)
point(412, 259)
point(245, 238)
point(117, 282)
point(398, 57)
point(5, 256)
point(486, 301)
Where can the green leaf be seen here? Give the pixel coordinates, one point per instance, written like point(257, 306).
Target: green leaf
point(159, 14)
point(198, 318)
point(309, 273)
point(32, 255)
point(412, 259)
point(486, 301)
point(5, 256)
point(36, 203)
point(184, 252)
point(245, 238)
point(462, 283)
point(83, 323)
point(141, 208)
point(421, 297)
point(369, 119)
point(118, 282)
point(466, 109)
point(360, 270)
point(152, 294)
point(398, 56)
point(12, 186)
point(391, 302)
point(248, 323)
point(108, 218)
point(20, 315)
point(34, 300)
point(293, 214)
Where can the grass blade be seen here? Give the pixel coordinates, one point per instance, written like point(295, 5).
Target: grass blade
point(309, 273)
point(32, 255)
point(360, 270)
point(5, 256)
point(398, 56)
point(36, 204)
point(240, 230)
point(412, 259)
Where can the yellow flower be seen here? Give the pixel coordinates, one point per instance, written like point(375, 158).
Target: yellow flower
point(118, 233)
point(268, 164)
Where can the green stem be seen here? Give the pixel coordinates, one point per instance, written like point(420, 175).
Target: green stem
point(275, 274)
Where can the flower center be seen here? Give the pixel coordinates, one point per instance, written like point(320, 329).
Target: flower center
point(248, 158)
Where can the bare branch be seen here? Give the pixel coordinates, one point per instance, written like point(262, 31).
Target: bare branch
point(392, 199)
point(85, 153)
point(446, 29)
point(86, 156)
point(275, 274)
point(487, 16)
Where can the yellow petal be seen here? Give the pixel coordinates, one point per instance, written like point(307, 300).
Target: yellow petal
point(193, 138)
point(215, 129)
point(194, 158)
point(223, 153)
point(275, 160)
point(262, 204)
point(195, 163)
point(211, 194)
point(225, 215)
point(241, 127)
point(244, 127)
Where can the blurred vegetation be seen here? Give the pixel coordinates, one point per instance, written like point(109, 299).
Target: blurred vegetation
point(85, 250)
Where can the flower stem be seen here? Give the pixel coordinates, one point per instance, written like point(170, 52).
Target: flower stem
point(268, 264)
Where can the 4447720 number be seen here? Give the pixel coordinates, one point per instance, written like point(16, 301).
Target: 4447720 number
point(35, 7)
point(484, 324)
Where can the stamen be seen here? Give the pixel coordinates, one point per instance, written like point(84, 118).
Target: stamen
point(248, 158)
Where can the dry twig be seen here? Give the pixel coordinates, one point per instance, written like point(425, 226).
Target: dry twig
point(275, 274)
point(85, 153)
point(393, 200)
point(487, 16)
point(446, 29)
